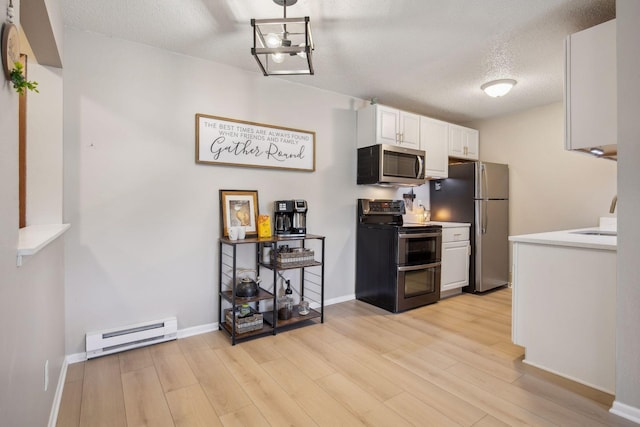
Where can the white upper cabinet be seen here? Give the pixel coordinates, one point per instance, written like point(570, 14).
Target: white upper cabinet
point(386, 125)
point(590, 88)
point(434, 140)
point(464, 142)
point(409, 130)
point(378, 124)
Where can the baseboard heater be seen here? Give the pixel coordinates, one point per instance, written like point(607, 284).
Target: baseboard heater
point(101, 343)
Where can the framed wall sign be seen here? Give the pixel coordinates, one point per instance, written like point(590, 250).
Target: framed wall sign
point(239, 208)
point(234, 142)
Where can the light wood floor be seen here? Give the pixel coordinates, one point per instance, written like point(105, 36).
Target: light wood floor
point(447, 364)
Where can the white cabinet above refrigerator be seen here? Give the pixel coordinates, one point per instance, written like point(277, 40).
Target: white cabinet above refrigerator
point(464, 143)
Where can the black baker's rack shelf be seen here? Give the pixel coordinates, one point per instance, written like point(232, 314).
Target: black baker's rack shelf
point(311, 286)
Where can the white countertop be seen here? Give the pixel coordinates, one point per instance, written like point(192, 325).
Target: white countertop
point(407, 219)
point(446, 224)
point(569, 238)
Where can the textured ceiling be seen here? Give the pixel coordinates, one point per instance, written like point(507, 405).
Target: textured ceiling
point(426, 56)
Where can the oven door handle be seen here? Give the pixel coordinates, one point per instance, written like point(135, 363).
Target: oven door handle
point(418, 235)
point(418, 267)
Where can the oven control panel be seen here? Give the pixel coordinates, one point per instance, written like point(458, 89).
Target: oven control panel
point(381, 207)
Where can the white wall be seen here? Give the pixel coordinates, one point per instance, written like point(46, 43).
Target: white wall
point(31, 296)
point(44, 147)
point(628, 296)
point(550, 188)
point(145, 216)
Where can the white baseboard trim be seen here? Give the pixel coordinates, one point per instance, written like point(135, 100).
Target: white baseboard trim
point(57, 397)
point(76, 357)
point(338, 300)
point(569, 377)
point(626, 411)
point(197, 330)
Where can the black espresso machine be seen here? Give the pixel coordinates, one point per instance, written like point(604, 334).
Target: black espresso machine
point(290, 217)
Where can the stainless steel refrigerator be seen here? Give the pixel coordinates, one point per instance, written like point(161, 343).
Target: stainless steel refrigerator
point(478, 193)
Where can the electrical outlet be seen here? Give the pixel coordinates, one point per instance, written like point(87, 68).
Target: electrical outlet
point(46, 375)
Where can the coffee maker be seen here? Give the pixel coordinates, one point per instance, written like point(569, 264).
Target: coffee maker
point(290, 217)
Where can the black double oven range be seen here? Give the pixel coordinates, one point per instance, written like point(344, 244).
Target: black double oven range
point(397, 265)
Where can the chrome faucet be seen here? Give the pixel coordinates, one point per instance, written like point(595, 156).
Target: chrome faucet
point(614, 202)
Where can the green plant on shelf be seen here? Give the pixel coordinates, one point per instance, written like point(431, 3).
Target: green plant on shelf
point(20, 83)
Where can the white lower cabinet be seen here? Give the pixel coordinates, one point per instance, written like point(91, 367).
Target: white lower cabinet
point(564, 308)
point(456, 250)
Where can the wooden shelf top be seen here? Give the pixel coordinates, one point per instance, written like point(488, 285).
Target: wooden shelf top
point(272, 239)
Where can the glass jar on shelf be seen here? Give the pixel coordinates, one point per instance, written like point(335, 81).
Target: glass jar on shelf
point(285, 307)
point(267, 253)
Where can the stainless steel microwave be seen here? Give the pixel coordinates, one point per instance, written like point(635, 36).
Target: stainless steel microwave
point(391, 165)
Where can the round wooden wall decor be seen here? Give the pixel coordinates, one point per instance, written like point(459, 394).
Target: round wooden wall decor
point(10, 48)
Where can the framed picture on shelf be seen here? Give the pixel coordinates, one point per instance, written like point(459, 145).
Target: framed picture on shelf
point(239, 208)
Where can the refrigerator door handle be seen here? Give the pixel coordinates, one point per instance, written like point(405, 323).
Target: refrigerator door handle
point(485, 182)
point(484, 185)
point(485, 220)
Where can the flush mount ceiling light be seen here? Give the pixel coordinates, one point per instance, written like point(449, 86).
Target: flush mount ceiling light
point(498, 88)
point(283, 46)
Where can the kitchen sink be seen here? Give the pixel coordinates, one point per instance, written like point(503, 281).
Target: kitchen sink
point(596, 232)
